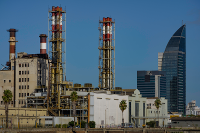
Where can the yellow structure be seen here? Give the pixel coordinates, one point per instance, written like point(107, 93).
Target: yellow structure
point(173, 116)
point(22, 117)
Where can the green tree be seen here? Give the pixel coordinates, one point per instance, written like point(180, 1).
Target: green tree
point(7, 97)
point(74, 98)
point(122, 106)
point(157, 103)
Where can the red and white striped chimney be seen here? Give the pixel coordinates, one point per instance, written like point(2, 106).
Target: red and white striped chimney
point(43, 43)
point(53, 22)
point(12, 43)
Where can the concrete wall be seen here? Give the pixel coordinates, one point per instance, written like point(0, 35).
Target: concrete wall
point(49, 120)
point(26, 117)
point(185, 124)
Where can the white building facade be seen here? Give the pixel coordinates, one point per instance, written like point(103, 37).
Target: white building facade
point(137, 111)
point(105, 111)
point(192, 109)
point(153, 114)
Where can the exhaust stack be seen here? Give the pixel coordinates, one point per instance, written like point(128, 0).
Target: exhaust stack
point(43, 43)
point(12, 42)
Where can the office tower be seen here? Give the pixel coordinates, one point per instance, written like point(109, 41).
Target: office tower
point(173, 61)
point(151, 83)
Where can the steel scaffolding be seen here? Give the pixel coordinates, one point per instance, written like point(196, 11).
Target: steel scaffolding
point(106, 54)
point(57, 56)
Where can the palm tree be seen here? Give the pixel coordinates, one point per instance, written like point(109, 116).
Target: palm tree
point(74, 98)
point(157, 103)
point(7, 97)
point(122, 106)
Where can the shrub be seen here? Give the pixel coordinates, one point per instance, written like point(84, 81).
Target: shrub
point(71, 123)
point(57, 126)
point(92, 124)
point(151, 123)
point(64, 126)
point(83, 124)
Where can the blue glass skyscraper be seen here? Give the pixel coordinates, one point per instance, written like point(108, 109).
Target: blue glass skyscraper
point(173, 62)
point(151, 83)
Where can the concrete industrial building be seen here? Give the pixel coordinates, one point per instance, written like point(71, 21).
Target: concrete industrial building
point(24, 73)
point(104, 109)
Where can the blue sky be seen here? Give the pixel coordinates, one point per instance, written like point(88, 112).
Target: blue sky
point(143, 28)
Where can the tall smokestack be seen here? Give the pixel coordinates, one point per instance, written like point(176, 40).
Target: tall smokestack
point(12, 43)
point(43, 43)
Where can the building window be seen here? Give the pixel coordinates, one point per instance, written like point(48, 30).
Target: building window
point(19, 79)
point(27, 79)
point(22, 65)
point(27, 86)
point(19, 65)
point(24, 79)
point(27, 72)
point(19, 72)
point(25, 65)
point(22, 87)
point(19, 101)
point(22, 100)
point(9, 81)
point(4, 81)
point(19, 86)
point(22, 94)
point(28, 64)
point(19, 94)
point(22, 72)
point(27, 94)
point(2, 102)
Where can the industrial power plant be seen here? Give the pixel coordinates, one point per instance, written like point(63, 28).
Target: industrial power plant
point(39, 80)
point(42, 95)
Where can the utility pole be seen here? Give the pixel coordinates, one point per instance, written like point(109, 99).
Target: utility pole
point(36, 113)
point(105, 118)
point(18, 113)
